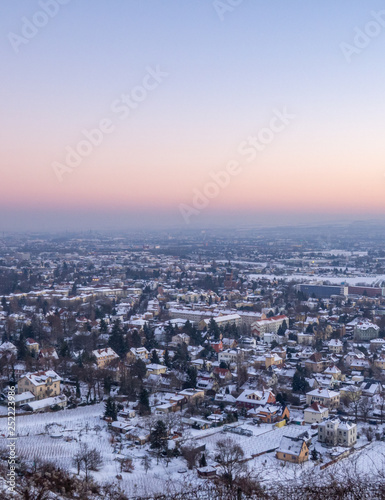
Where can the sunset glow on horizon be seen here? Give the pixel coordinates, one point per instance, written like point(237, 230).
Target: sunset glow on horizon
point(178, 90)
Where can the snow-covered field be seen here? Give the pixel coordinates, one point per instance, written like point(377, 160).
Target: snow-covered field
point(334, 280)
point(83, 425)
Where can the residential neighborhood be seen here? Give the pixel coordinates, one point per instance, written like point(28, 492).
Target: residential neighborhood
point(139, 352)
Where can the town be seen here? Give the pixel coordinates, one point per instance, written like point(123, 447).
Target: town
point(153, 361)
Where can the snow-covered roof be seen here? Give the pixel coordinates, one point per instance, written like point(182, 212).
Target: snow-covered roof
point(291, 445)
point(103, 353)
point(40, 378)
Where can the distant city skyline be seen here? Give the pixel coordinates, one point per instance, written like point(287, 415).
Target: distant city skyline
point(117, 115)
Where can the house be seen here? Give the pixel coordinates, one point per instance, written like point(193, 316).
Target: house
point(272, 359)
point(315, 363)
point(370, 388)
point(270, 414)
point(48, 353)
point(121, 427)
point(250, 398)
point(192, 394)
point(223, 374)
point(8, 349)
point(181, 338)
point(228, 356)
point(268, 325)
point(360, 365)
point(377, 344)
point(217, 346)
point(306, 338)
point(335, 346)
point(104, 357)
point(334, 372)
point(32, 346)
point(380, 362)
point(46, 404)
point(315, 413)
point(139, 353)
point(292, 449)
point(364, 330)
point(25, 397)
point(41, 384)
point(156, 369)
point(228, 319)
point(326, 397)
point(336, 433)
point(208, 471)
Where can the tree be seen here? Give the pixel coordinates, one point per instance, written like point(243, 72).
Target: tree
point(229, 455)
point(242, 375)
point(314, 454)
point(169, 332)
point(191, 378)
point(154, 357)
point(144, 403)
point(150, 342)
point(299, 383)
point(158, 438)
point(110, 409)
point(166, 358)
point(190, 454)
point(87, 459)
point(139, 369)
point(126, 465)
point(202, 461)
point(117, 340)
point(146, 462)
point(365, 407)
point(213, 329)
point(103, 326)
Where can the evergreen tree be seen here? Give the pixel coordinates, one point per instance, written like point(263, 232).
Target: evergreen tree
point(117, 341)
point(299, 383)
point(202, 461)
point(158, 438)
point(166, 358)
point(314, 454)
point(110, 409)
point(136, 339)
point(22, 351)
point(169, 332)
point(191, 378)
point(154, 357)
point(213, 329)
point(139, 369)
point(150, 341)
point(64, 350)
point(144, 402)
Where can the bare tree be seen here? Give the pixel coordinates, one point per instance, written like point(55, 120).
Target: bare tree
point(230, 455)
point(146, 462)
point(87, 459)
point(365, 407)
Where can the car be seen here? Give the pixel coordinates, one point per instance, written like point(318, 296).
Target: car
point(182, 471)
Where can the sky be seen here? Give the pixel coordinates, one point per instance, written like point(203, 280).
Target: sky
point(190, 112)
